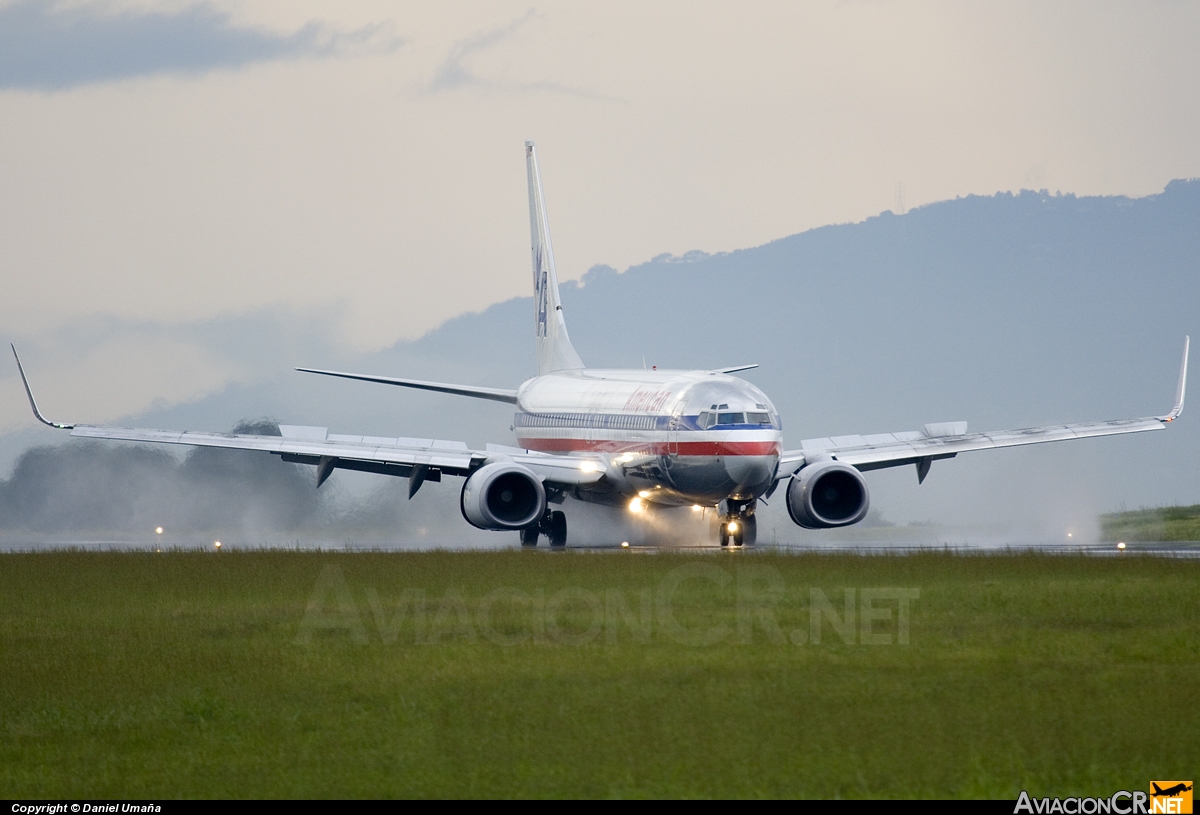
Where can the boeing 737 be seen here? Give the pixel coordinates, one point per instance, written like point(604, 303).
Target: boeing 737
point(626, 438)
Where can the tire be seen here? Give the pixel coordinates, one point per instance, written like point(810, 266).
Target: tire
point(529, 536)
point(737, 536)
point(558, 529)
point(724, 534)
point(749, 531)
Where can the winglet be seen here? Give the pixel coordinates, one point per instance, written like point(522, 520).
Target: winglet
point(33, 402)
point(1175, 411)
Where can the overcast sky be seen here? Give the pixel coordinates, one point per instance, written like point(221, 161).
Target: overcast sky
point(176, 163)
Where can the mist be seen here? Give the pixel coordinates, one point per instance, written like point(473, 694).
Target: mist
point(104, 489)
point(100, 492)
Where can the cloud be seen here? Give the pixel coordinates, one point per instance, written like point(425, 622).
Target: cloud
point(48, 46)
point(455, 73)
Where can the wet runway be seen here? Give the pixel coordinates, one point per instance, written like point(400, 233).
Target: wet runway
point(1165, 549)
point(1170, 549)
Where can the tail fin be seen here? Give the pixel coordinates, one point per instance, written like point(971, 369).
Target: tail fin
point(554, 349)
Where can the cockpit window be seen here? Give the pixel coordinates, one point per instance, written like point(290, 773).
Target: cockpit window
point(708, 418)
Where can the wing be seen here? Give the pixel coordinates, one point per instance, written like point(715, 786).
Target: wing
point(948, 439)
point(419, 460)
point(423, 459)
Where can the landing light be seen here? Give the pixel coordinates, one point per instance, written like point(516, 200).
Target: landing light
point(1121, 546)
point(217, 544)
point(158, 530)
point(1068, 534)
point(588, 466)
point(624, 544)
point(697, 508)
point(644, 494)
point(733, 526)
point(636, 505)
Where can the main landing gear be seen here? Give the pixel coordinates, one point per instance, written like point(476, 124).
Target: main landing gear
point(553, 525)
point(739, 526)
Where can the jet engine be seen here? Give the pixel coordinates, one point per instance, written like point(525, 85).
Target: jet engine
point(503, 496)
point(827, 494)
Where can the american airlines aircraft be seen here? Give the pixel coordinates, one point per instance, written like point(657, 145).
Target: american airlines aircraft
point(627, 438)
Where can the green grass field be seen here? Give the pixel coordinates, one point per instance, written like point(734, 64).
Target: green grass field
point(1159, 524)
point(264, 674)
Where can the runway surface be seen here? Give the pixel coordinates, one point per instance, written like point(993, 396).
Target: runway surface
point(1164, 549)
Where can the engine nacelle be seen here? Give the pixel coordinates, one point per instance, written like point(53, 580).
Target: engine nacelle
point(827, 494)
point(503, 496)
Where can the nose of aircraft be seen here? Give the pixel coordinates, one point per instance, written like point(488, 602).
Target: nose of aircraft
point(750, 471)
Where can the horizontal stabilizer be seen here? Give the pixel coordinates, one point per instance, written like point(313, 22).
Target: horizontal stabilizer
point(494, 394)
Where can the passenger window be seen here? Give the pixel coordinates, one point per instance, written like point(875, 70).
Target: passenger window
point(758, 418)
point(729, 418)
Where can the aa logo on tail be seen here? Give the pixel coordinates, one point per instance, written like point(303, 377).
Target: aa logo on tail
point(1171, 797)
point(540, 293)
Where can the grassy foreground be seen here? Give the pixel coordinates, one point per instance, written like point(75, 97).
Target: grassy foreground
point(533, 674)
point(1158, 524)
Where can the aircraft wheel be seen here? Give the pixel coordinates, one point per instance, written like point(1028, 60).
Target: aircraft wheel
point(749, 531)
point(558, 529)
point(724, 534)
point(529, 536)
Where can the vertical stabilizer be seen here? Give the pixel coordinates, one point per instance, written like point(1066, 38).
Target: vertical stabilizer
point(554, 350)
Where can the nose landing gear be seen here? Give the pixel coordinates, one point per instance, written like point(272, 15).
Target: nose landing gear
point(739, 526)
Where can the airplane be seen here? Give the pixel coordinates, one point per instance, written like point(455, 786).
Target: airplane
point(1170, 792)
point(637, 439)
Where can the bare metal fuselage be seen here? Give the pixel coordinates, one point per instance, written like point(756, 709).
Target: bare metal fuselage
point(663, 432)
